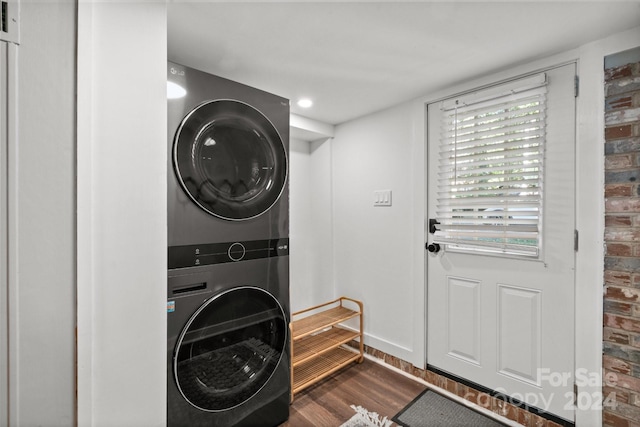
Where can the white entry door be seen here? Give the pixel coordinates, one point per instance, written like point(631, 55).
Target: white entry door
point(501, 285)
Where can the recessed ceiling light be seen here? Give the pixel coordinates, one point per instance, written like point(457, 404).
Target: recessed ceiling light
point(175, 90)
point(305, 103)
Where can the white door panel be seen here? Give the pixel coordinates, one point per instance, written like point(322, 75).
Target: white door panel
point(502, 321)
point(463, 319)
point(519, 337)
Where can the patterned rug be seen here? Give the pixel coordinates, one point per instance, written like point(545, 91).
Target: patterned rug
point(364, 418)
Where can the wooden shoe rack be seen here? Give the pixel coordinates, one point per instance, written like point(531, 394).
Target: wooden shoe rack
point(318, 341)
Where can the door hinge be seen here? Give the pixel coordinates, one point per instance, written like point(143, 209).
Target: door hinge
point(576, 240)
point(575, 394)
point(576, 88)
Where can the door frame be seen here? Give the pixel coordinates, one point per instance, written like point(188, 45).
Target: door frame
point(8, 236)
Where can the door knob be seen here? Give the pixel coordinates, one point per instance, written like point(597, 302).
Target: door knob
point(434, 248)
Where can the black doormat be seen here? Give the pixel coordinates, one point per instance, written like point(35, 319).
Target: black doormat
point(433, 409)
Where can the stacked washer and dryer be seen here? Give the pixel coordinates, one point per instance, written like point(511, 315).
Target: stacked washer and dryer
point(228, 312)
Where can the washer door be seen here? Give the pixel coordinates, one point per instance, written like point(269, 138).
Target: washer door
point(230, 159)
point(229, 348)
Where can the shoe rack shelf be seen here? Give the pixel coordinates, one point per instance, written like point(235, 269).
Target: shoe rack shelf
point(318, 341)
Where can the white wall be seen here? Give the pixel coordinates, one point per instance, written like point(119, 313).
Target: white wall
point(42, 220)
point(321, 221)
point(300, 230)
point(373, 246)
point(311, 270)
point(122, 224)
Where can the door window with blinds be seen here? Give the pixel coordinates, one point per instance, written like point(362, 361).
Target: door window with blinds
point(491, 170)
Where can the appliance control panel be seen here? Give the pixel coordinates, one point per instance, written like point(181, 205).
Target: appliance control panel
point(217, 253)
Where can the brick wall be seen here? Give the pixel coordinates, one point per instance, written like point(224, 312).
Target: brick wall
point(621, 347)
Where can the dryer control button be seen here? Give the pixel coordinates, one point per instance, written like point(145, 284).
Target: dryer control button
point(236, 251)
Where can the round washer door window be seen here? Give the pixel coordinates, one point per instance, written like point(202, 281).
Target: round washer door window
point(229, 348)
point(230, 159)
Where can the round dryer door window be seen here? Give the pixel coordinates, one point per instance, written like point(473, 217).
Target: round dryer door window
point(230, 348)
point(230, 159)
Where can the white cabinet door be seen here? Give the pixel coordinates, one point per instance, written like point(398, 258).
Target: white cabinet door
point(507, 323)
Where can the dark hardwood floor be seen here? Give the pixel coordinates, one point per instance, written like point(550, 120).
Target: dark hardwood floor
point(368, 384)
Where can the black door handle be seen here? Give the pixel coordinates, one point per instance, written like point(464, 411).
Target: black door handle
point(434, 248)
point(432, 225)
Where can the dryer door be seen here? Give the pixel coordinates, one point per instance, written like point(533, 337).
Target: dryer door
point(230, 159)
point(229, 348)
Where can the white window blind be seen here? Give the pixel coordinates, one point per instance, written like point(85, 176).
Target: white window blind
point(490, 173)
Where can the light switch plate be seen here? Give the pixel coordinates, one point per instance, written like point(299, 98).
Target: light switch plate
point(382, 198)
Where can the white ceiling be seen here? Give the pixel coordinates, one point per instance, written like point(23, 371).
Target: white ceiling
point(354, 58)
